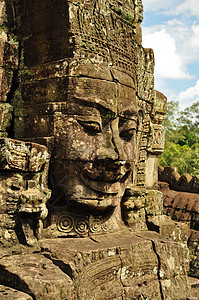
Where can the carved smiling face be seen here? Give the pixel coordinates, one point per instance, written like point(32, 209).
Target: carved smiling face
point(96, 144)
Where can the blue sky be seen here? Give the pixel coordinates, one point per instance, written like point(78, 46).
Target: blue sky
point(171, 28)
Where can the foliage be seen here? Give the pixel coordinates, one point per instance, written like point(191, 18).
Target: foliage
point(182, 139)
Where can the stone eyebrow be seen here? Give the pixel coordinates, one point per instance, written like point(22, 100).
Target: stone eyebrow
point(95, 104)
point(129, 113)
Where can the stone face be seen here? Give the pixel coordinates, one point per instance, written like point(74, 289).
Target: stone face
point(79, 116)
point(95, 96)
point(140, 205)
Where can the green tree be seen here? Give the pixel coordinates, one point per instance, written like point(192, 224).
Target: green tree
point(182, 139)
point(189, 124)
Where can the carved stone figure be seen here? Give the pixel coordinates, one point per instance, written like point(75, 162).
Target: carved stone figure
point(92, 103)
point(83, 96)
point(96, 148)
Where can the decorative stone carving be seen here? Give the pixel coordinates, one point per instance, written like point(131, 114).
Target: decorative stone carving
point(24, 192)
point(157, 139)
point(101, 120)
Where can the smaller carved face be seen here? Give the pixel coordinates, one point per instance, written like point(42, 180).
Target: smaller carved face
point(96, 144)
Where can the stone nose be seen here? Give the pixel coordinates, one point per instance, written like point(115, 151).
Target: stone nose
point(111, 145)
point(117, 141)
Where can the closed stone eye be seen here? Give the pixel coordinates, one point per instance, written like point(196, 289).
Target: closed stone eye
point(91, 126)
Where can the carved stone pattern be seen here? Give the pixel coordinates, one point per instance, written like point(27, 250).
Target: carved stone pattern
point(108, 36)
point(156, 144)
point(79, 225)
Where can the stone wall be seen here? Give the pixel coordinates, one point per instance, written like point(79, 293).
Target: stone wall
point(177, 182)
point(181, 203)
point(9, 62)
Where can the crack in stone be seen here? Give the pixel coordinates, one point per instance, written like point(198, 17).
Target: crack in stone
point(65, 268)
point(158, 271)
point(121, 277)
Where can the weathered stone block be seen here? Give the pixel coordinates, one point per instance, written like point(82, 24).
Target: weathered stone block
point(162, 224)
point(151, 171)
point(23, 156)
point(133, 265)
point(156, 144)
point(5, 84)
point(23, 186)
point(139, 205)
point(154, 203)
point(3, 15)
point(194, 282)
point(7, 293)
point(41, 126)
point(145, 74)
point(36, 276)
point(5, 116)
point(159, 108)
point(44, 91)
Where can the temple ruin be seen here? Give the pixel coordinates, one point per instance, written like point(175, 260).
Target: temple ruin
point(80, 134)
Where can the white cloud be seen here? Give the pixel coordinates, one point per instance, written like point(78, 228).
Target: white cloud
point(176, 45)
point(162, 86)
point(150, 5)
point(173, 7)
point(191, 6)
point(189, 96)
point(168, 63)
point(186, 39)
point(191, 44)
point(174, 36)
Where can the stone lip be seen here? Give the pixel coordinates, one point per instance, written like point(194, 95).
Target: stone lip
point(109, 172)
point(107, 177)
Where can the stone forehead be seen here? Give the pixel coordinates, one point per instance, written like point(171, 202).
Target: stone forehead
point(108, 94)
point(96, 69)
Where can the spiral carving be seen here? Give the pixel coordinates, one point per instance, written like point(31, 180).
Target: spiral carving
point(106, 226)
point(81, 227)
point(95, 226)
point(65, 223)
